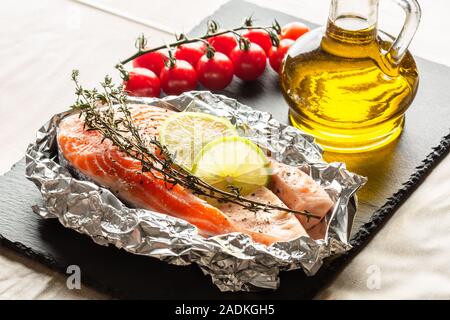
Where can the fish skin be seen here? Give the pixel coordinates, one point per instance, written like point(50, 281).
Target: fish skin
point(300, 192)
point(319, 231)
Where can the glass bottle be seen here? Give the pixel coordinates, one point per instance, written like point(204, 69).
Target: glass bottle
point(349, 84)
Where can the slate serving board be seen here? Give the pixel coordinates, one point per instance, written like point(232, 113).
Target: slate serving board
point(394, 173)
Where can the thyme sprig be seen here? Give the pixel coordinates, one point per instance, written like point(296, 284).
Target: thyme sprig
point(106, 111)
point(212, 31)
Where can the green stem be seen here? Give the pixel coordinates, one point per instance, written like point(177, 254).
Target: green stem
point(184, 41)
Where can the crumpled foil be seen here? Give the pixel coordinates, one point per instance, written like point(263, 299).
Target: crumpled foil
point(234, 261)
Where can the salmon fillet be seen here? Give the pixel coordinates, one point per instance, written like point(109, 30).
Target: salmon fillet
point(277, 223)
point(300, 192)
point(106, 165)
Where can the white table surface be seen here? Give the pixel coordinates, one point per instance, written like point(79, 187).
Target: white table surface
point(42, 41)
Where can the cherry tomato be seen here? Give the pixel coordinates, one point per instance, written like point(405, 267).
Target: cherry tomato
point(142, 82)
point(178, 78)
point(223, 43)
point(293, 30)
point(190, 52)
point(248, 64)
point(277, 54)
point(215, 73)
point(259, 37)
point(153, 61)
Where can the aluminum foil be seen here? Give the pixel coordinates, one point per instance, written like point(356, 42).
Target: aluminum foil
point(234, 261)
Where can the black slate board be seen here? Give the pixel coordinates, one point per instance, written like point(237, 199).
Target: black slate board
point(393, 173)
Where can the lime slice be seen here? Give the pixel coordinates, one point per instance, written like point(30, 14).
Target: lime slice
point(186, 133)
point(232, 162)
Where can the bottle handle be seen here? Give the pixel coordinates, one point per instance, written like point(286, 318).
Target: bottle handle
point(398, 49)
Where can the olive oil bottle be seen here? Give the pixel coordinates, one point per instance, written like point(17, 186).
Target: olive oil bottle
point(349, 84)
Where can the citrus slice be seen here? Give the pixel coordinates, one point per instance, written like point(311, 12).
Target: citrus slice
point(184, 134)
point(232, 162)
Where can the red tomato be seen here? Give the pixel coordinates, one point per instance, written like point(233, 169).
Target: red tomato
point(277, 54)
point(179, 78)
point(142, 82)
point(190, 52)
point(223, 43)
point(153, 61)
point(248, 64)
point(215, 73)
point(293, 30)
point(259, 37)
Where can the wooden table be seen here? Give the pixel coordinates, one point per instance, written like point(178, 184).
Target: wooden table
point(42, 41)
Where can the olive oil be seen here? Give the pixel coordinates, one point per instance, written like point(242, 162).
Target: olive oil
point(343, 88)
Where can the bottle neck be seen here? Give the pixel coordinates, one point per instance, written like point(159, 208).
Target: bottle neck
point(353, 21)
point(352, 32)
point(354, 15)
